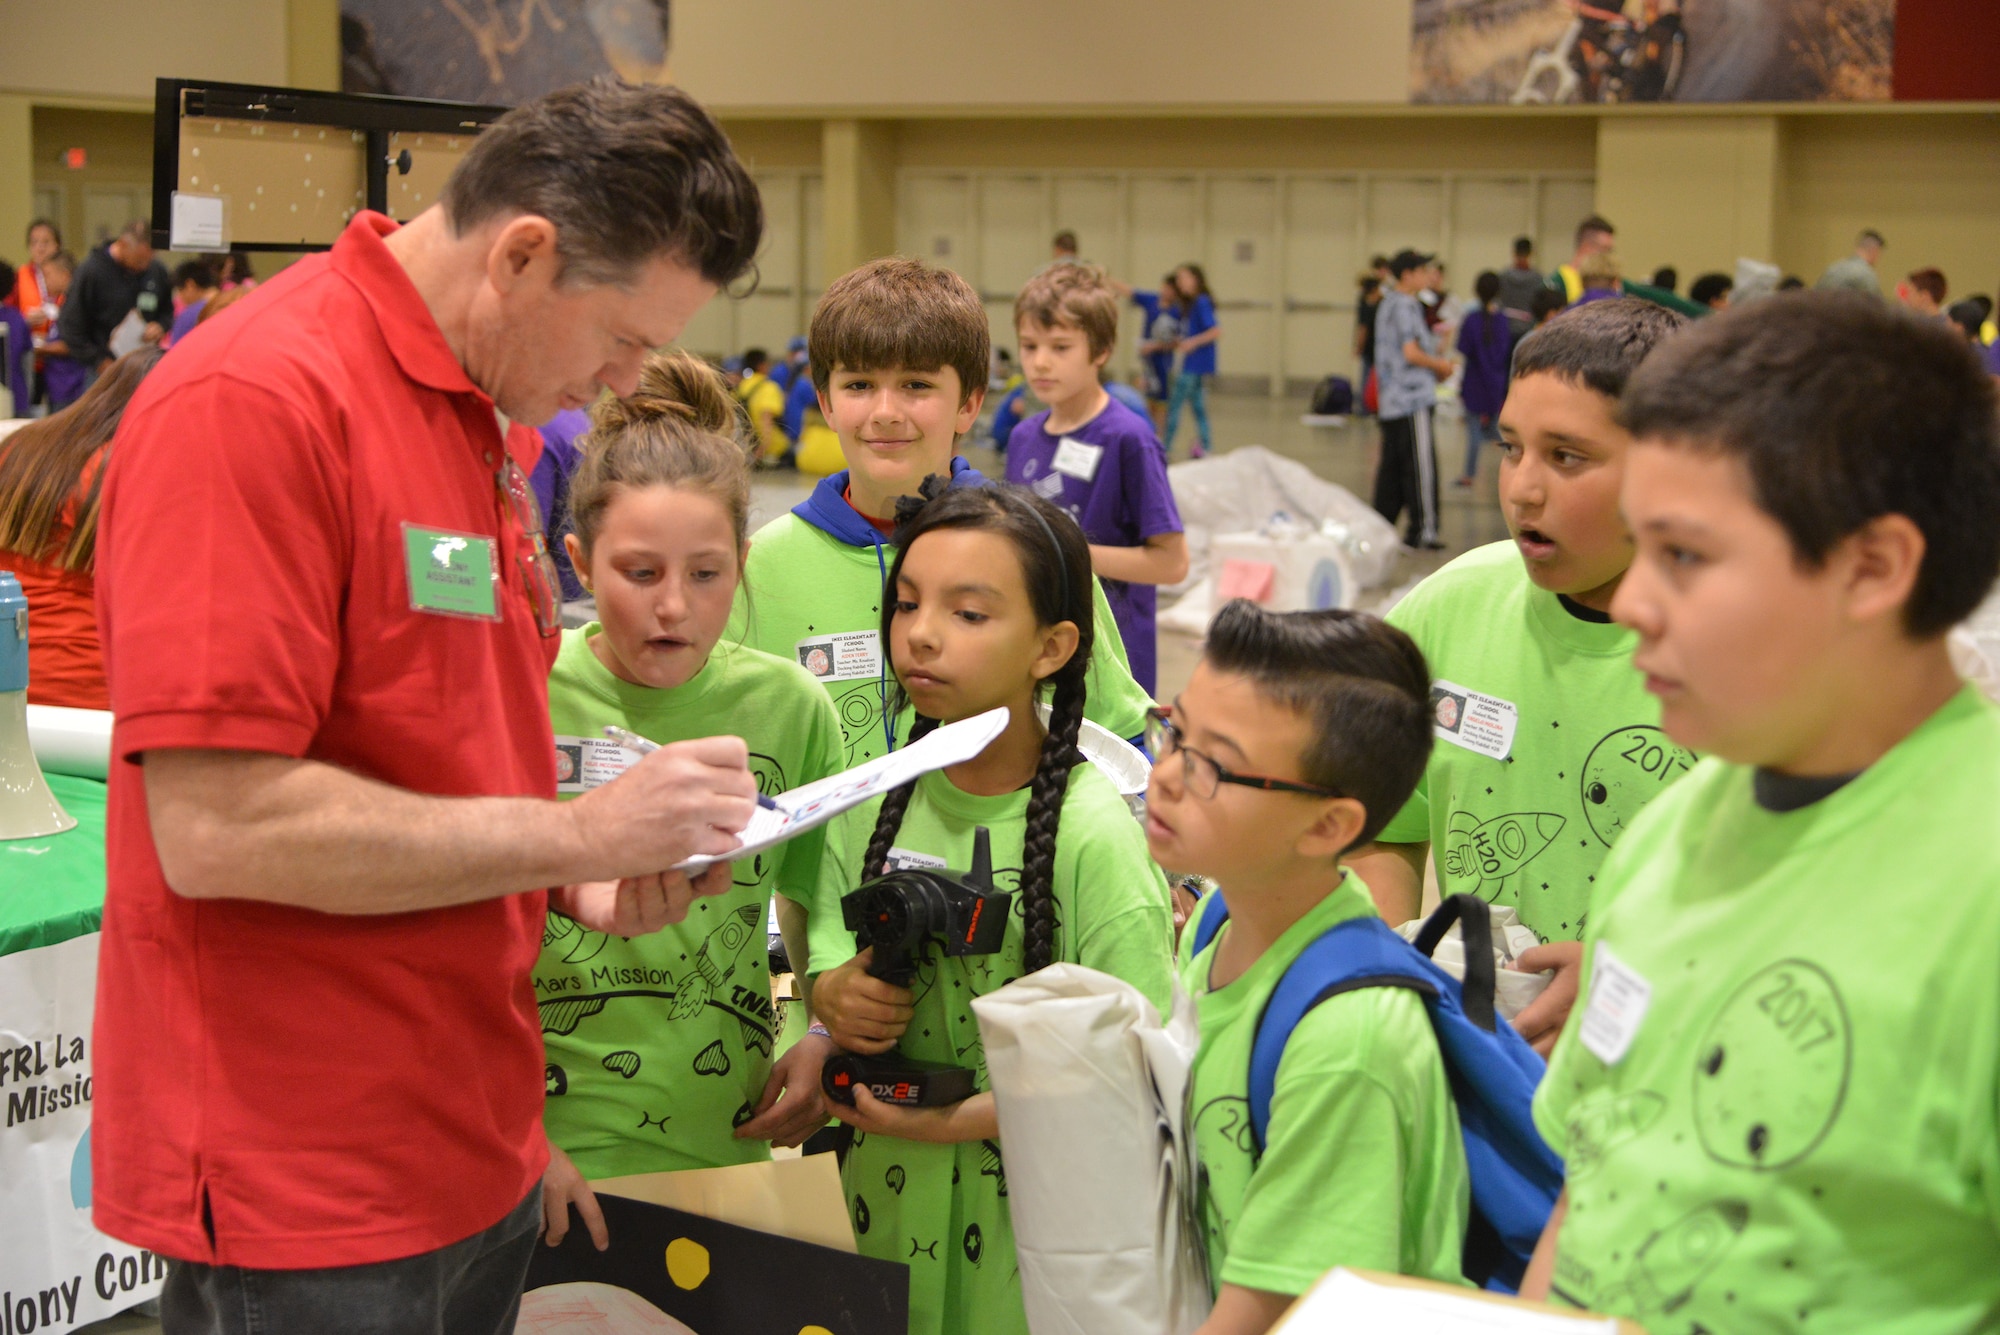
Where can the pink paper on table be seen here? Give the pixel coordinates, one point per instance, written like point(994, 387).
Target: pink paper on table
point(1254, 580)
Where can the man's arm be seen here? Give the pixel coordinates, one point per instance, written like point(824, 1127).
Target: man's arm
point(1163, 560)
point(252, 825)
point(1394, 874)
point(1414, 354)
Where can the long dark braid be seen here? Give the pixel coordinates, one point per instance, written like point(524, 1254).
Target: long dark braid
point(1055, 564)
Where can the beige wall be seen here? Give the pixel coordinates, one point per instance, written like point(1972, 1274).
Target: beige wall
point(1407, 143)
point(1928, 183)
point(1695, 192)
point(864, 57)
point(116, 48)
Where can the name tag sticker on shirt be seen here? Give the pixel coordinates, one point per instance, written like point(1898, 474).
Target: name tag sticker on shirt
point(1078, 460)
point(583, 763)
point(1483, 724)
point(851, 656)
point(1618, 1002)
point(902, 859)
point(451, 574)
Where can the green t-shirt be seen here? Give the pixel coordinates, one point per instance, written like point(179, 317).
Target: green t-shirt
point(1804, 1133)
point(941, 1209)
point(1547, 744)
point(659, 1045)
point(813, 599)
point(1364, 1164)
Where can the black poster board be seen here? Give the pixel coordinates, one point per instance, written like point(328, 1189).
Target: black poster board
point(717, 1278)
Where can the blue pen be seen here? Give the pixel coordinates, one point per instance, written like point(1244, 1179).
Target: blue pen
point(632, 741)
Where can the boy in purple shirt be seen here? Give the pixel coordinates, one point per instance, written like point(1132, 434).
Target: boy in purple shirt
point(1487, 341)
point(1093, 456)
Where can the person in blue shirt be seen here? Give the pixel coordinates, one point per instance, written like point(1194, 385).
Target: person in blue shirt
point(798, 399)
point(1161, 333)
point(785, 370)
point(1199, 332)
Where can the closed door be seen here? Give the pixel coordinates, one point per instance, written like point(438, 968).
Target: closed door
point(1564, 204)
point(769, 316)
point(935, 221)
point(1322, 257)
point(1013, 231)
point(1242, 265)
point(107, 208)
point(1404, 214)
point(1486, 216)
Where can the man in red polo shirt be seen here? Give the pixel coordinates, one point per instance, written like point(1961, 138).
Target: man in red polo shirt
point(328, 617)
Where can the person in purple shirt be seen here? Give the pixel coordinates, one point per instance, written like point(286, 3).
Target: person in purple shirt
point(1092, 455)
point(194, 283)
point(1486, 340)
point(551, 483)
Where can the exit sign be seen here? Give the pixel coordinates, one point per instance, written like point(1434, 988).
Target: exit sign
point(76, 159)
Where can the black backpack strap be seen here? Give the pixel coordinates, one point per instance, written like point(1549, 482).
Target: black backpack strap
point(1475, 921)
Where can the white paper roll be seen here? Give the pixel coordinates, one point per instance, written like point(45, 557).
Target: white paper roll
point(71, 741)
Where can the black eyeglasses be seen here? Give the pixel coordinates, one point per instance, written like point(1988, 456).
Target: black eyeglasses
point(531, 549)
point(1203, 776)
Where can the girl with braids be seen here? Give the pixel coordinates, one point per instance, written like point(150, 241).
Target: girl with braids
point(991, 607)
point(661, 1048)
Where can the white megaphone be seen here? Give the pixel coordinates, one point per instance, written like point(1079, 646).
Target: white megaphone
point(27, 808)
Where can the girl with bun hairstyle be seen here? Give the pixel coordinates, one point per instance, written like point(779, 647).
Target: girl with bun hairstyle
point(661, 1048)
point(990, 607)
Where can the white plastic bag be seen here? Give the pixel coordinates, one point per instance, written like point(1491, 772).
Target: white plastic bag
point(1089, 1085)
point(1512, 989)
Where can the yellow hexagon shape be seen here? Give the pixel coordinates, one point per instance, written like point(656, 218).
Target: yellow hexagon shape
point(687, 1263)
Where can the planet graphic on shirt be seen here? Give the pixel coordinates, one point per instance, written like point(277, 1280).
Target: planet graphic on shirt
point(1771, 1070)
point(1627, 769)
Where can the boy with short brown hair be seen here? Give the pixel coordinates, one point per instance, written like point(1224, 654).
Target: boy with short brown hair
point(1780, 1105)
point(1094, 456)
point(899, 355)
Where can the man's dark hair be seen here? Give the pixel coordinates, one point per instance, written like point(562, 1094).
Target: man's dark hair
point(199, 272)
point(1667, 276)
point(1710, 286)
point(1596, 222)
point(1524, 246)
point(139, 232)
point(1546, 302)
point(1843, 409)
point(1598, 345)
point(627, 173)
point(1791, 282)
point(1871, 235)
point(1065, 240)
point(1360, 684)
point(755, 359)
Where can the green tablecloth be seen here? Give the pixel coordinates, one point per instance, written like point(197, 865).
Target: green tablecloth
point(53, 889)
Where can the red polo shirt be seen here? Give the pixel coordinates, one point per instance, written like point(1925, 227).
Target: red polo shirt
point(278, 1087)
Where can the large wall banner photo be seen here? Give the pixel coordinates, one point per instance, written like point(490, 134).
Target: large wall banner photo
point(497, 51)
point(1540, 51)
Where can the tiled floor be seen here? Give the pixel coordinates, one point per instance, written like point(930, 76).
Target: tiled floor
point(1341, 454)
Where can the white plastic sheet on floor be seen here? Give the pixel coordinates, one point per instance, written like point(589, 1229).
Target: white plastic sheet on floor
point(1090, 1086)
point(1975, 647)
point(1245, 491)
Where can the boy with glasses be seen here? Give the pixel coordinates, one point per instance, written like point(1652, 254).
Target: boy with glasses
point(1297, 738)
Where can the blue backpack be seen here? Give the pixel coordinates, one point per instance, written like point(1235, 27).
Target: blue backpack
point(1515, 1175)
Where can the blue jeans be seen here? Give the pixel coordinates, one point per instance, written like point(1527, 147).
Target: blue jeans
point(470, 1287)
point(1191, 390)
point(1478, 430)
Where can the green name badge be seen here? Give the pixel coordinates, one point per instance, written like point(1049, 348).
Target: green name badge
point(451, 574)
